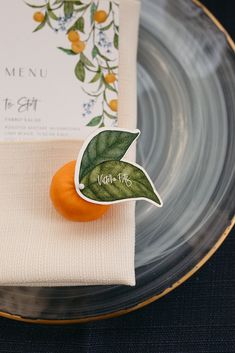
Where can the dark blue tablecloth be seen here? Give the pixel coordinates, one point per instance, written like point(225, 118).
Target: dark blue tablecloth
point(198, 317)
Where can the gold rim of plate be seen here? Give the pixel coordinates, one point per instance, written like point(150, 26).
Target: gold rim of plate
point(176, 284)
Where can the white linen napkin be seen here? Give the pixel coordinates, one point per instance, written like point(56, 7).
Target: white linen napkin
point(38, 246)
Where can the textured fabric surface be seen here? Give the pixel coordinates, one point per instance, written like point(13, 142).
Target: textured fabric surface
point(43, 247)
point(198, 317)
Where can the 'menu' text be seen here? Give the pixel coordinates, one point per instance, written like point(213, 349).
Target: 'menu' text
point(25, 72)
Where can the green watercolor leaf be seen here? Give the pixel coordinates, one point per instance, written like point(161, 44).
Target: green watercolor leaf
point(96, 77)
point(101, 82)
point(86, 61)
point(107, 27)
point(116, 41)
point(79, 24)
point(49, 22)
point(95, 121)
point(110, 87)
point(80, 71)
point(67, 51)
point(52, 15)
point(68, 8)
point(93, 10)
point(106, 146)
point(77, 3)
point(95, 51)
point(118, 180)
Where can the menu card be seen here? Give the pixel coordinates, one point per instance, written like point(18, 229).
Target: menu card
point(58, 68)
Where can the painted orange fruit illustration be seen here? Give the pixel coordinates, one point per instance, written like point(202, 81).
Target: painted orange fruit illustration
point(113, 105)
point(73, 36)
point(38, 16)
point(100, 16)
point(110, 78)
point(78, 47)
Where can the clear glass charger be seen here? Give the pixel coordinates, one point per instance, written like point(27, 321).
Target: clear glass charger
point(186, 112)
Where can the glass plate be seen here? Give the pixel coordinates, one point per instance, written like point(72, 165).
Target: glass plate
point(186, 101)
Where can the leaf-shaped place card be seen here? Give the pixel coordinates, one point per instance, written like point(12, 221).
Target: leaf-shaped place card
point(106, 145)
point(118, 180)
point(102, 177)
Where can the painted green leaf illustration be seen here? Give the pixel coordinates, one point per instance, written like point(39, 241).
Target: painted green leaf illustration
point(108, 145)
point(49, 22)
point(51, 13)
point(101, 82)
point(79, 24)
point(85, 60)
point(105, 28)
point(95, 51)
point(95, 121)
point(68, 8)
point(67, 51)
point(110, 87)
point(116, 41)
point(80, 71)
point(77, 3)
point(117, 180)
point(93, 10)
point(96, 77)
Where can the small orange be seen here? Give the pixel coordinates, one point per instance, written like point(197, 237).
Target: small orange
point(113, 105)
point(73, 36)
point(67, 201)
point(38, 16)
point(78, 47)
point(110, 78)
point(100, 16)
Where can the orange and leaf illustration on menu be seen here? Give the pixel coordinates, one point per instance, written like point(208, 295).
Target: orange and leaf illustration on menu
point(92, 31)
